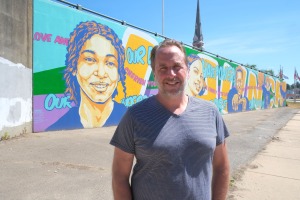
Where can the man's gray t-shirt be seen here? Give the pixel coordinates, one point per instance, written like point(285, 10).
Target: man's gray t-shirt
point(174, 153)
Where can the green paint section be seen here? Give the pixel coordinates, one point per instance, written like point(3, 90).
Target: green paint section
point(189, 51)
point(49, 82)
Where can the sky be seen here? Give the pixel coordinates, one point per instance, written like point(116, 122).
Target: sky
point(265, 33)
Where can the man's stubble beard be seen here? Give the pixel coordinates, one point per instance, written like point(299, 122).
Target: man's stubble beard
point(177, 93)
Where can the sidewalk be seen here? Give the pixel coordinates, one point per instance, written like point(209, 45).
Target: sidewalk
point(76, 164)
point(275, 171)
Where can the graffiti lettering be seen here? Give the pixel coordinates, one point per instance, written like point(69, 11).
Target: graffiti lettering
point(226, 74)
point(151, 83)
point(255, 103)
point(220, 103)
point(149, 54)
point(209, 71)
point(132, 75)
point(129, 101)
point(45, 37)
point(135, 57)
point(52, 101)
point(61, 40)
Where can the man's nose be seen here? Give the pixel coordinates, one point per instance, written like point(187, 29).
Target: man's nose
point(171, 72)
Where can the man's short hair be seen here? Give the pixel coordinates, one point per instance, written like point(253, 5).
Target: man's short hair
point(167, 43)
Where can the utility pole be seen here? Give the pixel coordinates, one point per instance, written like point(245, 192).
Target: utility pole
point(162, 18)
point(295, 78)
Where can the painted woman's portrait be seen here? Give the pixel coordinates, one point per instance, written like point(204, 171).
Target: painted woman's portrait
point(94, 67)
point(196, 85)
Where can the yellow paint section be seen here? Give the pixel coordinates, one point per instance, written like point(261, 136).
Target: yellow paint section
point(138, 69)
point(252, 89)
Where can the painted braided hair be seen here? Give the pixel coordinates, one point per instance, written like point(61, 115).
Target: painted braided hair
point(83, 32)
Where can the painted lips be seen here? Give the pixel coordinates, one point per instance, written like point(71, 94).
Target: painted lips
point(197, 86)
point(100, 86)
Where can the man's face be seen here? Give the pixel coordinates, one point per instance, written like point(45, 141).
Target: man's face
point(97, 69)
point(170, 71)
point(196, 80)
point(239, 82)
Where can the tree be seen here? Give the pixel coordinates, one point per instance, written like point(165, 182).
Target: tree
point(269, 71)
point(251, 66)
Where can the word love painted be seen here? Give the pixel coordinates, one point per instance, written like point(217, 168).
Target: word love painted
point(47, 37)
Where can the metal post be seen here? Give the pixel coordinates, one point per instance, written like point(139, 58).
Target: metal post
point(295, 86)
point(162, 17)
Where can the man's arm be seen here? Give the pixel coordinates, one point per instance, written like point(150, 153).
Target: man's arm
point(221, 171)
point(121, 168)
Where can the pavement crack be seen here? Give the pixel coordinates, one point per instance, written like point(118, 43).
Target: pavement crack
point(280, 157)
point(73, 166)
point(296, 179)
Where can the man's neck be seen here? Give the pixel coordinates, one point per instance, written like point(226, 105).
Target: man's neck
point(175, 104)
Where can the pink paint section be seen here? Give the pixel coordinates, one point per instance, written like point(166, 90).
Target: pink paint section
point(43, 118)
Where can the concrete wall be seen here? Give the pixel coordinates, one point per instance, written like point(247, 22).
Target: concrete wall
point(15, 67)
point(16, 31)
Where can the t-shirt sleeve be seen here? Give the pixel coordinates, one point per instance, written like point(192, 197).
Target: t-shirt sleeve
point(222, 131)
point(123, 137)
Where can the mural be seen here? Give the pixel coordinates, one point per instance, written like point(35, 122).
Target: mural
point(89, 70)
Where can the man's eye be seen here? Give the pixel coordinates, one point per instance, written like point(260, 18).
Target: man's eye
point(178, 67)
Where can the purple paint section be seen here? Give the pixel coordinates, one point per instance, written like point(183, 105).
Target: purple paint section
point(151, 92)
point(43, 118)
point(245, 91)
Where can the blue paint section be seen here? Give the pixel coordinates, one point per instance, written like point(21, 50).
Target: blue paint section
point(118, 76)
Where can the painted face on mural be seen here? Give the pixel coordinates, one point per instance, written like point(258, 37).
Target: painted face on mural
point(196, 79)
point(97, 69)
point(239, 82)
point(268, 83)
point(170, 71)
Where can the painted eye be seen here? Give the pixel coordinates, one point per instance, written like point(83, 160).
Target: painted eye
point(110, 64)
point(89, 60)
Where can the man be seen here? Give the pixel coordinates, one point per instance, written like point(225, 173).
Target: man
point(236, 102)
point(178, 141)
point(267, 94)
